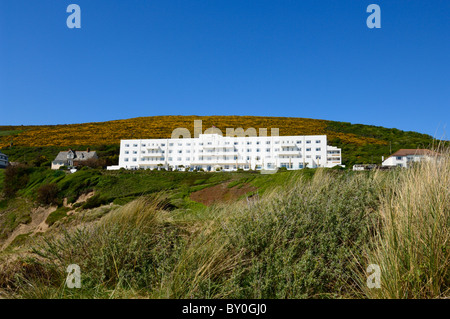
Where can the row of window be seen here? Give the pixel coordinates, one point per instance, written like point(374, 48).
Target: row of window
point(318, 149)
point(226, 143)
point(225, 158)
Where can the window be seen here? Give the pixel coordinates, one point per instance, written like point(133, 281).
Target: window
point(126, 159)
point(143, 145)
point(127, 145)
point(318, 141)
point(170, 144)
point(399, 158)
point(318, 157)
point(127, 152)
point(257, 149)
point(308, 149)
point(268, 142)
point(318, 149)
point(134, 159)
point(134, 152)
point(267, 149)
point(134, 145)
point(308, 142)
point(163, 144)
point(299, 142)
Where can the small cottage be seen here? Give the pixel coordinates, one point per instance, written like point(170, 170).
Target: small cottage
point(73, 158)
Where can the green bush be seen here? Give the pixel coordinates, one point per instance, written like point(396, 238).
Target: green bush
point(47, 194)
point(95, 201)
point(57, 215)
point(15, 178)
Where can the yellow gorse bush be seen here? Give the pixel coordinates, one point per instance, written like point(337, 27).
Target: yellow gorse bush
point(162, 126)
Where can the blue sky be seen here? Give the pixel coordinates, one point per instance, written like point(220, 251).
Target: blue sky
point(309, 58)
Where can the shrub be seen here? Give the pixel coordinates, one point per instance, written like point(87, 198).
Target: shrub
point(47, 194)
point(95, 201)
point(57, 215)
point(15, 178)
point(302, 241)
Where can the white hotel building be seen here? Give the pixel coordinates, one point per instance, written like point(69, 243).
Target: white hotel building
point(213, 151)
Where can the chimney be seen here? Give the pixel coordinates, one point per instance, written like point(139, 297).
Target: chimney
point(382, 158)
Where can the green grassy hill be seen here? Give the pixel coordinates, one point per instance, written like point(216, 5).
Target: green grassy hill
point(360, 143)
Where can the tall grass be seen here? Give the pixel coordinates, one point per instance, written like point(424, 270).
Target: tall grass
point(413, 247)
point(300, 240)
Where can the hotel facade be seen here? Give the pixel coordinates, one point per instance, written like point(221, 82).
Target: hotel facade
point(212, 152)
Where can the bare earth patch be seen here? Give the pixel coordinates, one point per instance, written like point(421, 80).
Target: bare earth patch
point(221, 193)
point(81, 199)
point(37, 225)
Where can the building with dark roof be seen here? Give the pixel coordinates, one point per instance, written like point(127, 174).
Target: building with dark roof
point(3, 160)
point(406, 157)
point(72, 158)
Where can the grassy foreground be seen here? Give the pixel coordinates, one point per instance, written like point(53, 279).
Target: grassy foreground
point(309, 238)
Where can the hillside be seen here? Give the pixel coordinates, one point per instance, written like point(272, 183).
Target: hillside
point(359, 143)
point(295, 234)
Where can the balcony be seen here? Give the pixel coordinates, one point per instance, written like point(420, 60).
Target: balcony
point(283, 152)
point(153, 155)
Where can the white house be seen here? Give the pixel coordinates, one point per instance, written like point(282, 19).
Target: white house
point(73, 158)
point(405, 157)
point(213, 151)
point(3, 160)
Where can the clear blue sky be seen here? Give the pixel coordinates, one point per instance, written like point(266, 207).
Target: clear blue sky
point(308, 58)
